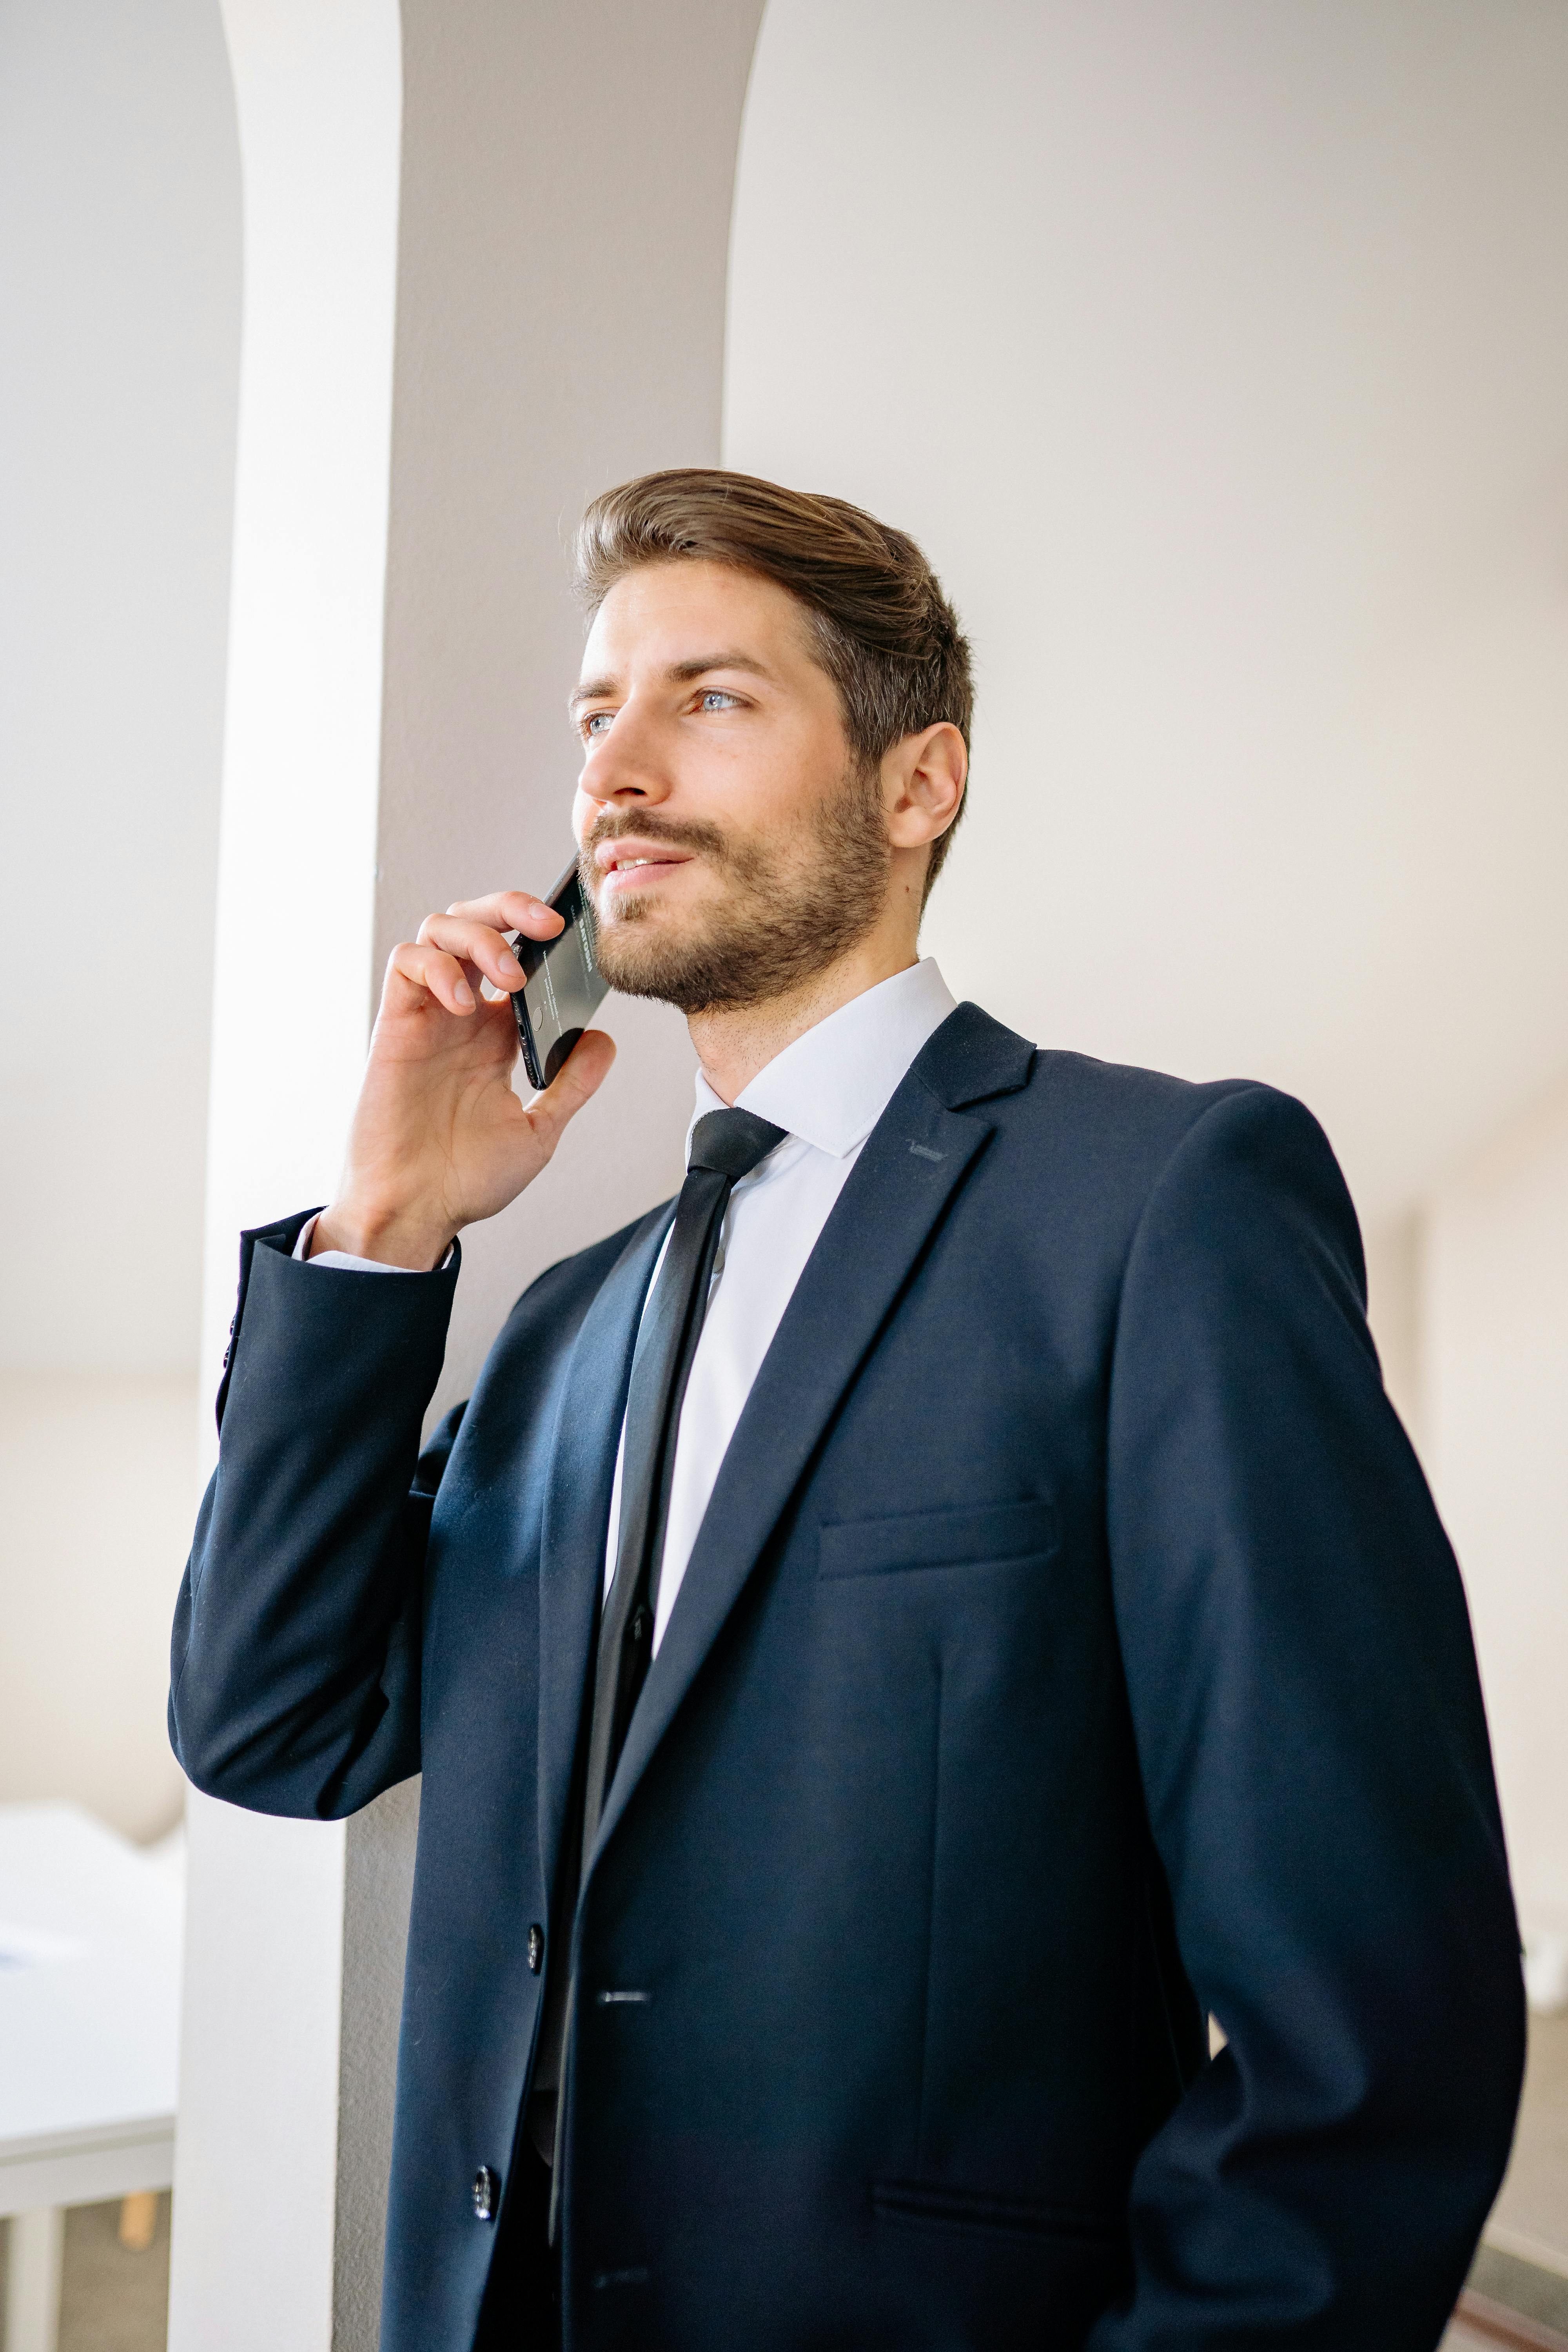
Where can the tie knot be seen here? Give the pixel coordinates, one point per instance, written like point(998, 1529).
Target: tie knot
point(731, 1142)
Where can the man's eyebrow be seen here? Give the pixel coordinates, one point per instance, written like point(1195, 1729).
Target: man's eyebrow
point(679, 672)
point(593, 689)
point(596, 689)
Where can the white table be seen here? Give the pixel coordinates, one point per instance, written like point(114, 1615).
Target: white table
point(91, 1932)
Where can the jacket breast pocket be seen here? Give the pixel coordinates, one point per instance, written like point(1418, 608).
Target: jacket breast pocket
point(972, 1535)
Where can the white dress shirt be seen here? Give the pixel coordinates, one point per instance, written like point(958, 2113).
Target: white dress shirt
point(827, 1091)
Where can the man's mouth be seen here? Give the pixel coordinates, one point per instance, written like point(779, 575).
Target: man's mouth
point(633, 864)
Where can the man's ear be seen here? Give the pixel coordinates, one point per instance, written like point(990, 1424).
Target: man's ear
point(922, 784)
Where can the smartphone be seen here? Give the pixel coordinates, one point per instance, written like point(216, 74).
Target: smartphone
point(563, 987)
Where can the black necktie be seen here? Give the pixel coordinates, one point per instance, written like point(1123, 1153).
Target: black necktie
point(725, 1145)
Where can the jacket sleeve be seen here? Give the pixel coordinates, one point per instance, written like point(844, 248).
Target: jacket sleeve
point(295, 1668)
point(1316, 1767)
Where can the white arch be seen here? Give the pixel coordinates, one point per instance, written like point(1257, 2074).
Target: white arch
point(484, 274)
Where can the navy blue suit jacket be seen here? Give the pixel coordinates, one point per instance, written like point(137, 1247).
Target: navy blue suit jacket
point(1070, 1648)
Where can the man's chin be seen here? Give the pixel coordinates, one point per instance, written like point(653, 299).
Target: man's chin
point(710, 940)
point(684, 964)
point(641, 953)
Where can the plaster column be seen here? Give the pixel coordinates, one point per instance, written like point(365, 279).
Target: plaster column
point(485, 251)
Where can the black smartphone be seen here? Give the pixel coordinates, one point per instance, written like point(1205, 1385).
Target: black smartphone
point(563, 987)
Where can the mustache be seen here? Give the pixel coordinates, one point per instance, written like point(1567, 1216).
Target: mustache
point(615, 825)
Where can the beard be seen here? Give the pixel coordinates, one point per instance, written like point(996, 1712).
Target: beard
point(786, 912)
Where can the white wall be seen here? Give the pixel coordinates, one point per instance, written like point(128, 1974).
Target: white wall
point(1495, 1399)
point(119, 318)
point(97, 1476)
point(1217, 354)
point(118, 322)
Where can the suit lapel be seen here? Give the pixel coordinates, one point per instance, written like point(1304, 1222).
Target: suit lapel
point(912, 1164)
point(577, 1513)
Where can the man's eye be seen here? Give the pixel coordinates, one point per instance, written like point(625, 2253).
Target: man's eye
point(597, 723)
point(715, 699)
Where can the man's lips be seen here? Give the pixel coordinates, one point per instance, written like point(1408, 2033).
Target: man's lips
point(632, 864)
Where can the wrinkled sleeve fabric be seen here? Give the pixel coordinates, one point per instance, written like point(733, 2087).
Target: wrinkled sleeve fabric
point(294, 1684)
point(1315, 1760)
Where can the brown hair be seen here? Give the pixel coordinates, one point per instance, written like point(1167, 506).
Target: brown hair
point(885, 633)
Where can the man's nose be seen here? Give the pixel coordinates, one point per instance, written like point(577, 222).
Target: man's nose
point(624, 767)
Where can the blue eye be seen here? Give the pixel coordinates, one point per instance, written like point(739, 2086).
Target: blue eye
point(596, 724)
point(715, 699)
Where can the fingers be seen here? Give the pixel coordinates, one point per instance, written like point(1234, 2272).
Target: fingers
point(426, 967)
point(580, 1075)
point(473, 944)
point(455, 952)
point(510, 910)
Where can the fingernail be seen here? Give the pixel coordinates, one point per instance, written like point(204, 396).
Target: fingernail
point(507, 961)
point(465, 995)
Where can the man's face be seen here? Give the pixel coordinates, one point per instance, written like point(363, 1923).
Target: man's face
point(731, 846)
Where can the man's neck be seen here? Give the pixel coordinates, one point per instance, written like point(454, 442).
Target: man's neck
point(734, 1042)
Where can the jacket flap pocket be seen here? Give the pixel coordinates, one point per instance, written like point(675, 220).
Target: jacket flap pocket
point(974, 1535)
point(930, 2206)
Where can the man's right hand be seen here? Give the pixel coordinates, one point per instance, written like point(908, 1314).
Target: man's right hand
point(439, 1139)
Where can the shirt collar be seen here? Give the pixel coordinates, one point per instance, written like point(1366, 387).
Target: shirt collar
point(832, 1085)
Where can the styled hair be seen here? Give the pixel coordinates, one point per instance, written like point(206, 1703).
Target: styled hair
point(885, 633)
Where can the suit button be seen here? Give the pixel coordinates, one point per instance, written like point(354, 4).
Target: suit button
point(486, 2193)
point(535, 1948)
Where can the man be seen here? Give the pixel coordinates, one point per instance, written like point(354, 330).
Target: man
point(889, 1644)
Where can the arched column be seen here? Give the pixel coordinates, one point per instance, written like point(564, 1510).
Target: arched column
point(485, 253)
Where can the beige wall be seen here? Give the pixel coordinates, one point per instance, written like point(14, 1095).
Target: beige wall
point(1495, 1406)
point(1394, 1270)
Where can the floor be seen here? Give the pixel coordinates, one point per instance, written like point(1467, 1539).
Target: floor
point(1522, 2267)
point(116, 2302)
point(1510, 2289)
point(1530, 2217)
point(111, 2301)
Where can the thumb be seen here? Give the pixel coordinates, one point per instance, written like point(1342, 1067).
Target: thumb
point(582, 1073)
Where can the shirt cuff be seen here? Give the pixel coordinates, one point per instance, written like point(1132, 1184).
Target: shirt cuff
point(356, 1265)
